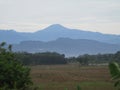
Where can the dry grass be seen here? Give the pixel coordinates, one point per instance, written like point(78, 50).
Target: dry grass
point(59, 77)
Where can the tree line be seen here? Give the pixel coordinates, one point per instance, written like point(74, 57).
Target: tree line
point(52, 58)
point(87, 59)
point(46, 58)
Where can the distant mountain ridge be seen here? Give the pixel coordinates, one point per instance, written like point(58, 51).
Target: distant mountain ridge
point(54, 32)
point(67, 46)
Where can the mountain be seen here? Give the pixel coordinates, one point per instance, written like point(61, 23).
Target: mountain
point(11, 36)
point(54, 32)
point(67, 46)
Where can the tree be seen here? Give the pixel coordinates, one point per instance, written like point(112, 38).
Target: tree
point(84, 60)
point(45, 58)
point(115, 73)
point(13, 75)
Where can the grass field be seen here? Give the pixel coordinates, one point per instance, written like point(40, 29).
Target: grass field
point(59, 77)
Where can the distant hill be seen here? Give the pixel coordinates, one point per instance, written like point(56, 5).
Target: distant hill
point(67, 46)
point(54, 32)
point(11, 36)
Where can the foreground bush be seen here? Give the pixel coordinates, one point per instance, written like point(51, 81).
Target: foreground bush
point(115, 73)
point(13, 75)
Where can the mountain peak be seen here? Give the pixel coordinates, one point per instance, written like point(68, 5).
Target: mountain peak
point(55, 27)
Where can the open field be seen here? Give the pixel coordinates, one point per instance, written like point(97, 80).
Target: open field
point(59, 77)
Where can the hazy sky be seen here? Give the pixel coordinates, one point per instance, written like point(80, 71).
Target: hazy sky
point(32, 15)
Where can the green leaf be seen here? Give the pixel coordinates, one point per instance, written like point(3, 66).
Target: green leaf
point(117, 83)
point(114, 70)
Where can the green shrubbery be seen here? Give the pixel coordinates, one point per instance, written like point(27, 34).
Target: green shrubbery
point(115, 73)
point(13, 75)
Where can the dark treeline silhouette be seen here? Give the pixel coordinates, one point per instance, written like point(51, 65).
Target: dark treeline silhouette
point(52, 58)
point(95, 59)
point(46, 58)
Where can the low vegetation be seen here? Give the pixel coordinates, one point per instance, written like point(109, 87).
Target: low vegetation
point(69, 77)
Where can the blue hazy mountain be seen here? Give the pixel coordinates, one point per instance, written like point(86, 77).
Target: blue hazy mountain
point(67, 46)
point(57, 38)
point(54, 32)
point(11, 36)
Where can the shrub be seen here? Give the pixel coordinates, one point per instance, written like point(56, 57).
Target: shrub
point(13, 75)
point(115, 73)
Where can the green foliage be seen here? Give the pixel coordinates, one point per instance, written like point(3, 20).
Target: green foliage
point(65, 89)
point(115, 73)
point(13, 75)
point(78, 87)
